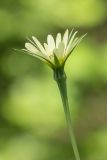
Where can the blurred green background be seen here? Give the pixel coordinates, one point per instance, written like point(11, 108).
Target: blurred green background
point(32, 122)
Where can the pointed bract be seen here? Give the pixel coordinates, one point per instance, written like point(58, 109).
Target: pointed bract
point(65, 38)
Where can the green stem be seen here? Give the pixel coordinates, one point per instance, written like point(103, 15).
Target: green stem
point(60, 78)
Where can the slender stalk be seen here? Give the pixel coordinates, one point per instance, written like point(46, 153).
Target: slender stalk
point(60, 78)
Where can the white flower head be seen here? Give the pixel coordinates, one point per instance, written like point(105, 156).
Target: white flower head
point(53, 52)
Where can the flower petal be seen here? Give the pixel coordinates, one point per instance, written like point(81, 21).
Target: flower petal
point(60, 50)
point(65, 38)
point(39, 56)
point(46, 48)
point(58, 39)
point(31, 48)
point(40, 47)
point(61, 47)
point(49, 53)
point(51, 43)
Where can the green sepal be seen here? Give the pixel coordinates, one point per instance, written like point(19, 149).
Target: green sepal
point(56, 61)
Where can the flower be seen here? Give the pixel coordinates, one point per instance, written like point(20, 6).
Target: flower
point(54, 52)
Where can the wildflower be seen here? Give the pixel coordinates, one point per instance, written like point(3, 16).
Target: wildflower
point(54, 52)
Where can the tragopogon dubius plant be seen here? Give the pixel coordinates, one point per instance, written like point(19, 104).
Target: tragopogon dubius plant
point(55, 53)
